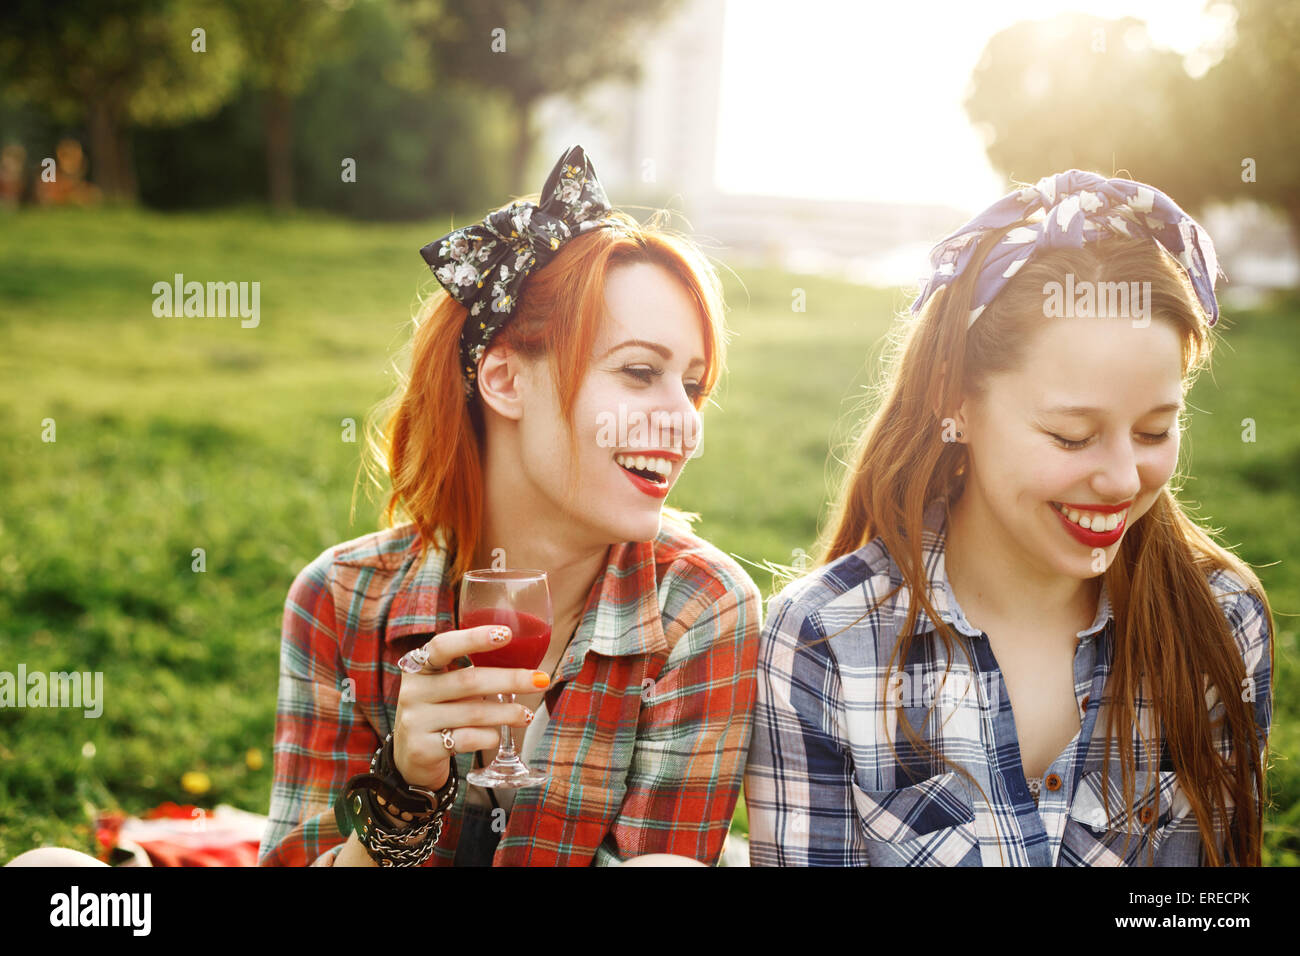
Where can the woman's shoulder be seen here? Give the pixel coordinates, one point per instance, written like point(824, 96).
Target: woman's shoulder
point(686, 562)
point(1243, 605)
point(854, 586)
point(383, 552)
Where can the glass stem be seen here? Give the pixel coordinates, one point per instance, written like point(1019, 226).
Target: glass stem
point(507, 749)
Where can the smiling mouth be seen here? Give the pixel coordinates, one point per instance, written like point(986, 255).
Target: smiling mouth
point(652, 469)
point(1096, 522)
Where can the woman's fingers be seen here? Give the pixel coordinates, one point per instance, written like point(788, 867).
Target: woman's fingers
point(433, 684)
point(462, 702)
point(479, 713)
point(469, 739)
point(420, 724)
point(420, 746)
point(485, 681)
point(444, 648)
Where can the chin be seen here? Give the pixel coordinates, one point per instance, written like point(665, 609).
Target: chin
point(635, 528)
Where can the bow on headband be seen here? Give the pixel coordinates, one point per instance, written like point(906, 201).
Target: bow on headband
point(1080, 207)
point(483, 266)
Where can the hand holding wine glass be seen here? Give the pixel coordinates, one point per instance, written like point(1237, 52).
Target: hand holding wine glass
point(435, 705)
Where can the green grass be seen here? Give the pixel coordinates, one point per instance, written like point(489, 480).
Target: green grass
point(175, 434)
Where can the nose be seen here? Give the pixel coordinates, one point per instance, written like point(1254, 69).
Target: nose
point(679, 425)
point(1119, 477)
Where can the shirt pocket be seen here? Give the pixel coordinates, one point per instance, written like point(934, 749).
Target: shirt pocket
point(1095, 836)
point(931, 823)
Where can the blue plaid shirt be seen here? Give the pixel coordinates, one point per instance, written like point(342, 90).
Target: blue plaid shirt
point(823, 788)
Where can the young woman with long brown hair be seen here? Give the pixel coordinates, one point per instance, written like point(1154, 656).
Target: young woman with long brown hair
point(1017, 648)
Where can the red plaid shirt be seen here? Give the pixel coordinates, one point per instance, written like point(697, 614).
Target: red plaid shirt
point(650, 712)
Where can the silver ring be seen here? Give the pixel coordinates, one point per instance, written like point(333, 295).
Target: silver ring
point(417, 662)
point(448, 741)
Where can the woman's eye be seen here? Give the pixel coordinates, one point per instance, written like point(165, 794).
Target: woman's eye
point(642, 373)
point(1072, 443)
point(647, 374)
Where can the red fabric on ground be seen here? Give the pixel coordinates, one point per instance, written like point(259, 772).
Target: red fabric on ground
point(184, 835)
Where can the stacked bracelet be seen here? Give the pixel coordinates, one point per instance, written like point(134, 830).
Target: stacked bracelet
point(386, 843)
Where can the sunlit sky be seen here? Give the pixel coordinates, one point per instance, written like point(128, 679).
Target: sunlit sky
point(864, 100)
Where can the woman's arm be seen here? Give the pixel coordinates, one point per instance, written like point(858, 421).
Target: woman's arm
point(321, 738)
point(686, 770)
point(1248, 621)
point(799, 778)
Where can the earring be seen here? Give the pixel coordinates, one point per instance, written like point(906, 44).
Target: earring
point(959, 434)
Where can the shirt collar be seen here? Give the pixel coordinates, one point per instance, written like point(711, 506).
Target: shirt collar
point(933, 551)
point(622, 615)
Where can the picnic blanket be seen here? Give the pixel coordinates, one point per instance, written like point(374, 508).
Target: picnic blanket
point(181, 835)
point(185, 835)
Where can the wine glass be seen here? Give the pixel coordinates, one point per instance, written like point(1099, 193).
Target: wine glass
point(521, 600)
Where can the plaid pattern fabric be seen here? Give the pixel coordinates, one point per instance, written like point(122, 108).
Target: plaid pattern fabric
point(823, 789)
point(650, 712)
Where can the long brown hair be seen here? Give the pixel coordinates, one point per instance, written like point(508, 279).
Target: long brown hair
point(430, 445)
point(1172, 640)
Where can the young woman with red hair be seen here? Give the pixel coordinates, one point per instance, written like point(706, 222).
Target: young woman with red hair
point(552, 402)
point(1018, 649)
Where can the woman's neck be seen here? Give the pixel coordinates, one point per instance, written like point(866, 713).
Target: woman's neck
point(569, 576)
point(992, 579)
point(520, 531)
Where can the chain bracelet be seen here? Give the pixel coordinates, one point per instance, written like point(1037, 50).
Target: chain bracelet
point(406, 848)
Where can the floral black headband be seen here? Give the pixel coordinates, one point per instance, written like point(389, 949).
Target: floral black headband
point(483, 266)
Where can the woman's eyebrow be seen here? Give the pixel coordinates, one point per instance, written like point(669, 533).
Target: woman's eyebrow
point(1089, 410)
point(663, 350)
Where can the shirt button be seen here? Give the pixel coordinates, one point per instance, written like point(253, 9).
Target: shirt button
point(1086, 698)
point(1146, 815)
point(1053, 782)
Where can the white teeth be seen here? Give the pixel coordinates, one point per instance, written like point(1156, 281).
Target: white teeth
point(1094, 522)
point(661, 466)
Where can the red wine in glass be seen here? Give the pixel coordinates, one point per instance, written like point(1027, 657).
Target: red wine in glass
point(521, 601)
point(532, 637)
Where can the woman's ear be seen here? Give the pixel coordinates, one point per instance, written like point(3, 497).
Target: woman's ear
point(499, 381)
point(959, 422)
point(953, 424)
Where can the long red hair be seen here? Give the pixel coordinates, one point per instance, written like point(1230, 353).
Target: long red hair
point(430, 444)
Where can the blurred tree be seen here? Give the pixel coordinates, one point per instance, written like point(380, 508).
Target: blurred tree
point(285, 41)
point(1251, 91)
point(374, 100)
point(529, 50)
point(117, 64)
point(1079, 91)
point(418, 151)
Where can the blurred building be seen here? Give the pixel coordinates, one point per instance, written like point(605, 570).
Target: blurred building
point(1255, 249)
point(655, 143)
point(657, 138)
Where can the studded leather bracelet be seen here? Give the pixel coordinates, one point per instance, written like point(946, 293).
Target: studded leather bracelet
point(389, 844)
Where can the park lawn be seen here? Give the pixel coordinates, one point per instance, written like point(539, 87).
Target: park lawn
point(175, 434)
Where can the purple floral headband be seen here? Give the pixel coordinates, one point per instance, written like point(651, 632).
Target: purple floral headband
point(1079, 207)
point(483, 266)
